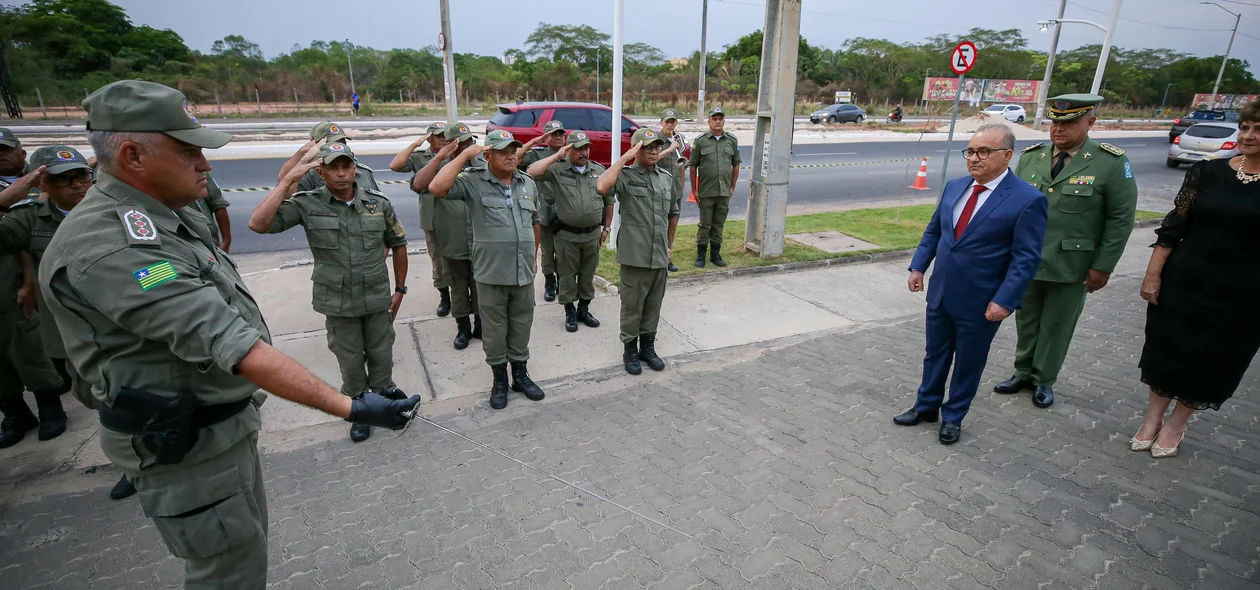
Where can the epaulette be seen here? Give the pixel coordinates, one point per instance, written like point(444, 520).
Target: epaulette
point(1106, 147)
point(1034, 146)
point(665, 172)
point(140, 230)
point(376, 193)
point(362, 165)
point(24, 202)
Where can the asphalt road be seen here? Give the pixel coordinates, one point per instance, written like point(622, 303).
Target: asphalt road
point(823, 174)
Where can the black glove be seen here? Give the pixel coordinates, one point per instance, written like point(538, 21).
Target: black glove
point(374, 409)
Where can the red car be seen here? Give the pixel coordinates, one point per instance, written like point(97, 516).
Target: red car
point(525, 120)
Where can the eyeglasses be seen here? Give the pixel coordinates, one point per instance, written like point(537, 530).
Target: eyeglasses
point(68, 178)
point(983, 153)
point(654, 148)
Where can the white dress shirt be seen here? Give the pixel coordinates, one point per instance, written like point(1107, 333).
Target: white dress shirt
point(984, 196)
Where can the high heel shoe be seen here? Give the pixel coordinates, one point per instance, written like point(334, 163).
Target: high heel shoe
point(1138, 444)
point(1159, 452)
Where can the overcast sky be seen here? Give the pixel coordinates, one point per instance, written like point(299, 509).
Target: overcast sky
point(492, 26)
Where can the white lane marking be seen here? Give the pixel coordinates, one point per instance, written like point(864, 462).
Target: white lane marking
point(1129, 145)
point(829, 154)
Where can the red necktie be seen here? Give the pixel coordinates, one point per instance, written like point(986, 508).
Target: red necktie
point(968, 209)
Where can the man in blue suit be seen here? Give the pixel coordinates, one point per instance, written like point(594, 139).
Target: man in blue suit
point(986, 239)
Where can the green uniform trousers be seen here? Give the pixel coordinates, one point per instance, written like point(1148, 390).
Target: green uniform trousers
point(642, 292)
point(364, 347)
point(507, 316)
point(213, 515)
point(713, 212)
point(577, 262)
point(1045, 323)
point(439, 269)
point(79, 388)
point(24, 365)
point(547, 244)
point(463, 287)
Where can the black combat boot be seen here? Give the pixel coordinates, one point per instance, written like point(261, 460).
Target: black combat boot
point(584, 314)
point(360, 432)
point(671, 267)
point(700, 256)
point(498, 393)
point(52, 417)
point(392, 392)
point(476, 331)
point(122, 489)
point(647, 352)
point(18, 420)
point(570, 317)
point(444, 304)
point(631, 357)
point(549, 288)
point(715, 255)
point(465, 333)
point(521, 383)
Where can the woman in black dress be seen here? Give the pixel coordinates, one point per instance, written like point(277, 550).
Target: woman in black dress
point(1203, 317)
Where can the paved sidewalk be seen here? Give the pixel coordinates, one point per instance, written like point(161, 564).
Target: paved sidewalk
point(779, 454)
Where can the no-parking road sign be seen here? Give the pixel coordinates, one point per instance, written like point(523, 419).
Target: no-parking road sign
point(963, 57)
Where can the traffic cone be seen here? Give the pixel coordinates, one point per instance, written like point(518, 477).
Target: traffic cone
point(692, 198)
point(920, 179)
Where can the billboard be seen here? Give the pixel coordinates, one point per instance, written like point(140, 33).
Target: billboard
point(977, 90)
point(1225, 101)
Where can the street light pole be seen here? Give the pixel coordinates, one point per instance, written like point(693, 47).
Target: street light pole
point(1106, 49)
point(704, 32)
point(350, 65)
point(1045, 81)
point(1164, 100)
point(1224, 60)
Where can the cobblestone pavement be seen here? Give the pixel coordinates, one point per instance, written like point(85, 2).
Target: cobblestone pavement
point(782, 457)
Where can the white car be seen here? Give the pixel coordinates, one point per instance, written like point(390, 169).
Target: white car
point(1204, 141)
point(1013, 112)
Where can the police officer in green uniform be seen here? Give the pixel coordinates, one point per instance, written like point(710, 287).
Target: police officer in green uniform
point(503, 215)
point(159, 322)
point(527, 155)
point(1092, 201)
point(327, 132)
point(715, 159)
point(453, 236)
point(674, 161)
point(214, 208)
point(412, 159)
point(580, 224)
point(12, 158)
point(347, 227)
point(649, 217)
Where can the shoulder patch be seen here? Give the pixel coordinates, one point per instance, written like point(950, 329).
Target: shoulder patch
point(155, 274)
point(1106, 147)
point(140, 229)
point(24, 202)
point(1034, 146)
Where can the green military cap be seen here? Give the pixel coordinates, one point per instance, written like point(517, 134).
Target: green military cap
point(715, 111)
point(552, 127)
point(7, 138)
point(331, 151)
point(457, 132)
point(59, 159)
point(435, 127)
point(648, 136)
point(501, 140)
point(328, 129)
point(1067, 107)
point(669, 114)
point(137, 105)
point(578, 139)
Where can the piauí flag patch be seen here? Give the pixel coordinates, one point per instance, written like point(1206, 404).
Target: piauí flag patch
point(155, 274)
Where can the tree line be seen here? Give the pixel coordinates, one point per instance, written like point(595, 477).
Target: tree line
point(67, 47)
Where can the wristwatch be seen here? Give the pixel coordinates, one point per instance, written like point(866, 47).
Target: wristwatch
point(402, 290)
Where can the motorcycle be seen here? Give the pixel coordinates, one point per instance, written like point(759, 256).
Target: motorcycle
point(894, 117)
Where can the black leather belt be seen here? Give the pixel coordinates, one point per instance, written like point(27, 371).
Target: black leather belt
point(561, 226)
point(203, 416)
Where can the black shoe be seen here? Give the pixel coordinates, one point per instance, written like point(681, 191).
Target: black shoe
point(444, 304)
point(393, 393)
point(912, 417)
point(570, 317)
point(715, 255)
point(464, 334)
point(950, 433)
point(122, 489)
point(1043, 397)
point(671, 267)
point(700, 250)
point(549, 288)
point(52, 417)
point(584, 314)
point(521, 383)
point(360, 432)
point(18, 420)
point(647, 352)
point(1013, 385)
point(498, 392)
point(631, 357)
point(476, 331)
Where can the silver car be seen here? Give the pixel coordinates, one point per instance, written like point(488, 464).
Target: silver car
point(1204, 141)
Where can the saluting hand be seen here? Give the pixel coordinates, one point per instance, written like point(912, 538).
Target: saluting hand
point(312, 151)
point(996, 313)
point(563, 151)
point(447, 150)
point(473, 151)
point(632, 152)
point(533, 142)
point(297, 172)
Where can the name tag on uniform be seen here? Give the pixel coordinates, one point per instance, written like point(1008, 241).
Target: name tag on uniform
point(1081, 180)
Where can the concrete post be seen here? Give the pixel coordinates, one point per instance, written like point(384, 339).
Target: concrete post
point(1106, 48)
point(704, 31)
point(619, 11)
point(42, 108)
point(448, 64)
point(772, 145)
point(1045, 81)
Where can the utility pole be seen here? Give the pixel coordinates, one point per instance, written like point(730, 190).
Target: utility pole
point(704, 33)
point(1045, 81)
point(1224, 60)
point(350, 65)
point(1164, 100)
point(448, 63)
point(597, 75)
point(619, 11)
point(1106, 48)
point(776, 102)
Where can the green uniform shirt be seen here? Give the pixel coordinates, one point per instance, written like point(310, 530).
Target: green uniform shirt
point(145, 301)
point(29, 226)
point(362, 177)
point(502, 220)
point(348, 242)
point(450, 224)
point(214, 201)
point(546, 190)
point(715, 160)
point(1092, 202)
point(577, 202)
point(647, 203)
point(415, 162)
